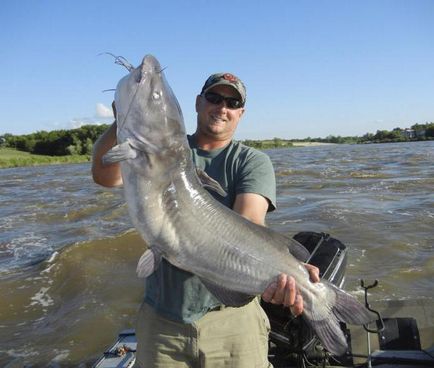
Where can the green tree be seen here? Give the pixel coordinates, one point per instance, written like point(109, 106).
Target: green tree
point(429, 131)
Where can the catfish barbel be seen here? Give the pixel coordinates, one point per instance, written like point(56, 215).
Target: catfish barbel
point(180, 221)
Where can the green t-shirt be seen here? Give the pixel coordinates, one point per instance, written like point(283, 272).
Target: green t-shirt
point(180, 295)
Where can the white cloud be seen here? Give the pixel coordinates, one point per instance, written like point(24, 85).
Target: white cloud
point(74, 123)
point(77, 123)
point(102, 111)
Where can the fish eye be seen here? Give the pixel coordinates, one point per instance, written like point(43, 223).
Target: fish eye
point(156, 95)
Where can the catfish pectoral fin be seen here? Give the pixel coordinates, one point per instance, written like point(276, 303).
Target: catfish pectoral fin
point(118, 153)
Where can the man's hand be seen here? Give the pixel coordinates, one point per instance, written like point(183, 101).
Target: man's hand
point(284, 291)
point(110, 175)
point(313, 272)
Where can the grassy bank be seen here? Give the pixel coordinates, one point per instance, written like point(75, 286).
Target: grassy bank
point(281, 143)
point(268, 143)
point(12, 158)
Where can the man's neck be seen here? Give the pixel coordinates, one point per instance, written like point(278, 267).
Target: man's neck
point(209, 144)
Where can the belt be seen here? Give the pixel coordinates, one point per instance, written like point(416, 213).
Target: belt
point(217, 308)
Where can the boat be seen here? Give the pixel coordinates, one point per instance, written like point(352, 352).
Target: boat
point(392, 341)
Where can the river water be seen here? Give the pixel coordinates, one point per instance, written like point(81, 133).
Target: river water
point(68, 251)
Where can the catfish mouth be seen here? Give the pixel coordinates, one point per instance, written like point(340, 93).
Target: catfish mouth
point(149, 65)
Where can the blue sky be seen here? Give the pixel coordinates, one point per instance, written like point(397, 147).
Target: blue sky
point(312, 68)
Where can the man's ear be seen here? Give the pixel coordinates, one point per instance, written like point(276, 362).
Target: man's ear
point(197, 102)
point(242, 112)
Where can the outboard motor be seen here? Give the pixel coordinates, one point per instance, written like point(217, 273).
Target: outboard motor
point(290, 338)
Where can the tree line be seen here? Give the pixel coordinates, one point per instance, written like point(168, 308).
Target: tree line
point(57, 142)
point(80, 141)
point(417, 132)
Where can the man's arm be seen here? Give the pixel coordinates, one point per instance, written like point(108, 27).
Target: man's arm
point(110, 175)
point(254, 207)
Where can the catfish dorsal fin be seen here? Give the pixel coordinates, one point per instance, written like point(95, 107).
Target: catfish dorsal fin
point(210, 183)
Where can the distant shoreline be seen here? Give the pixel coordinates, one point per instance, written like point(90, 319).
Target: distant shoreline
point(312, 144)
point(11, 158)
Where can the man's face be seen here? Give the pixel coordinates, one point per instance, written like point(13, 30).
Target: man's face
point(218, 121)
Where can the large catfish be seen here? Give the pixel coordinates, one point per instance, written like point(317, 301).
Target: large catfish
point(180, 221)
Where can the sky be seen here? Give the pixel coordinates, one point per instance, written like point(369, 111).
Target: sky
point(311, 68)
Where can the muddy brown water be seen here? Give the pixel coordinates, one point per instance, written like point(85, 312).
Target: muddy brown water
point(68, 251)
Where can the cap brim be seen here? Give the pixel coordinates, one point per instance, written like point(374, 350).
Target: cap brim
point(225, 83)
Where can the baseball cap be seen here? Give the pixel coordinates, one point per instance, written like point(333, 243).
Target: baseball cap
point(227, 79)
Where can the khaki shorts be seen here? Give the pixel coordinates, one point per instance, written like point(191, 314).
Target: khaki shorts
point(229, 337)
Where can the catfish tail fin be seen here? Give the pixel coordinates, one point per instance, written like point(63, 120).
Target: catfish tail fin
point(324, 317)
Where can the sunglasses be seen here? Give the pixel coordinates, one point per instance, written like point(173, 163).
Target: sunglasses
point(216, 99)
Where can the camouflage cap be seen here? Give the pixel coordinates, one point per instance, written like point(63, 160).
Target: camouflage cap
point(227, 79)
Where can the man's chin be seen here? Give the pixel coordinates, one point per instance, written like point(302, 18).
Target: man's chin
point(216, 128)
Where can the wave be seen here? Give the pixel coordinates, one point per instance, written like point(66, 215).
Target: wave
point(88, 291)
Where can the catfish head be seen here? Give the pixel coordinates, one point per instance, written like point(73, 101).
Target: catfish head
point(149, 118)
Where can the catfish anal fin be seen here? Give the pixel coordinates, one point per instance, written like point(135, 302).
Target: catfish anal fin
point(228, 297)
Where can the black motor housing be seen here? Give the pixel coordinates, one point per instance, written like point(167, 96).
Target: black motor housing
point(327, 253)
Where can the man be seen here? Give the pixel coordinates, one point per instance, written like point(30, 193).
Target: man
point(181, 324)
